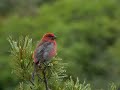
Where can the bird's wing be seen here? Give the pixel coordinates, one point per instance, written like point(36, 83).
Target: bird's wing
point(48, 50)
point(42, 52)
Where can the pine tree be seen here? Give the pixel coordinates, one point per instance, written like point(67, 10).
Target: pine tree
point(55, 75)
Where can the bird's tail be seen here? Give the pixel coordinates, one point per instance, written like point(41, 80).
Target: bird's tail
point(34, 71)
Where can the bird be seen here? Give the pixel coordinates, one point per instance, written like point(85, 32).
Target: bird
point(44, 51)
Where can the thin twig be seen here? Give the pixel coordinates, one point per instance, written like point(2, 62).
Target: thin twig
point(30, 87)
point(32, 83)
point(45, 79)
point(39, 78)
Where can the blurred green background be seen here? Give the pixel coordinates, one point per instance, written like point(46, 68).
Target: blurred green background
point(88, 34)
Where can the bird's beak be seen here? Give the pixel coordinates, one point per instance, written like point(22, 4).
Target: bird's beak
point(54, 37)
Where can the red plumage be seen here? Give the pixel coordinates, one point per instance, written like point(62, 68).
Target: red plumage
point(46, 49)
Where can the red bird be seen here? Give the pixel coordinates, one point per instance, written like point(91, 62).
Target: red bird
point(45, 50)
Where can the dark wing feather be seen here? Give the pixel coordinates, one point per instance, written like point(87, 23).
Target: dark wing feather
point(48, 51)
point(42, 52)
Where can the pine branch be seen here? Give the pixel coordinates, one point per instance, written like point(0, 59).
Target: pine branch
point(50, 75)
point(45, 78)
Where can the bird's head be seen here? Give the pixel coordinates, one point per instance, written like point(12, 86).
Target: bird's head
point(49, 37)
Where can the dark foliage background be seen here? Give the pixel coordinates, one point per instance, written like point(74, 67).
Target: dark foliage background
point(88, 34)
